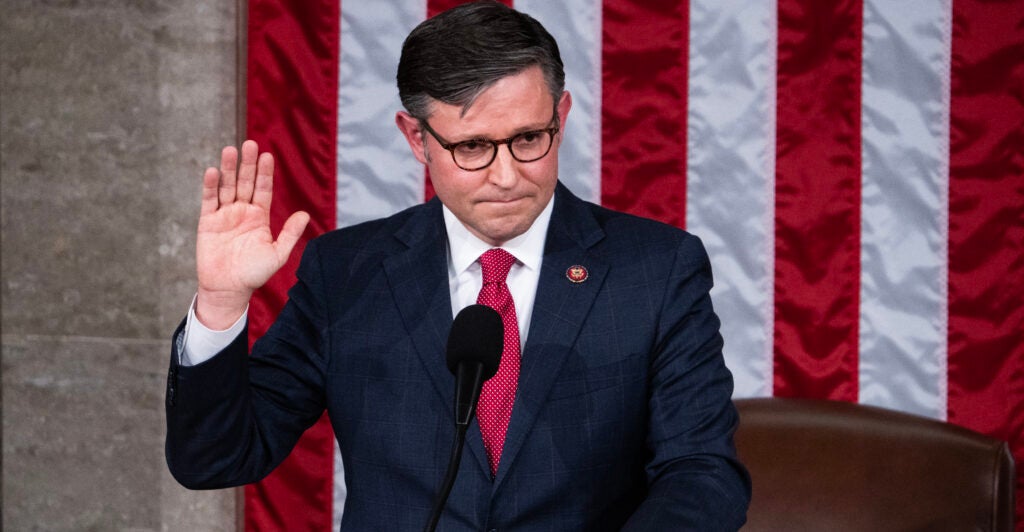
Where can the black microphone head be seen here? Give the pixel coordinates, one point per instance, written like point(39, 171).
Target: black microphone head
point(477, 336)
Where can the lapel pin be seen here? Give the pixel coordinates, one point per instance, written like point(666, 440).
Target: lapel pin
point(576, 273)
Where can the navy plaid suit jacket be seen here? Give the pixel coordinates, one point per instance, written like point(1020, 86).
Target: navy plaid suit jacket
point(623, 417)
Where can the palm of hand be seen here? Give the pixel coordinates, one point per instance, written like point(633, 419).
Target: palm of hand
point(235, 249)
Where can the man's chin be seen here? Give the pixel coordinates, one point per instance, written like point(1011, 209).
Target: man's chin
point(497, 234)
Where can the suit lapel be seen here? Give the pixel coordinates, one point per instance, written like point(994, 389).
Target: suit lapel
point(559, 311)
point(418, 278)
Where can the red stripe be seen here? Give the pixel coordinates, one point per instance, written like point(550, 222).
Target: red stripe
point(433, 8)
point(437, 6)
point(292, 90)
point(986, 224)
point(817, 204)
point(643, 112)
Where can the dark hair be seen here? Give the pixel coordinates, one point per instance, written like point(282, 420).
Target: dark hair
point(458, 54)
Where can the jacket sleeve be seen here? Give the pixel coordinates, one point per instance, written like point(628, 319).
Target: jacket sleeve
point(232, 419)
point(695, 480)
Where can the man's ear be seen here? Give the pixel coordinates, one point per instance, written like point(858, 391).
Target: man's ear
point(410, 128)
point(564, 104)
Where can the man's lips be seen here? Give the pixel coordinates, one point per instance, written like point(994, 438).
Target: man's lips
point(501, 200)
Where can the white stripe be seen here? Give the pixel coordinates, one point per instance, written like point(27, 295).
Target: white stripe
point(731, 174)
point(576, 26)
point(340, 489)
point(905, 172)
point(377, 174)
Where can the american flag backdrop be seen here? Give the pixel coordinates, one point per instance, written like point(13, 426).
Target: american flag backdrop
point(854, 167)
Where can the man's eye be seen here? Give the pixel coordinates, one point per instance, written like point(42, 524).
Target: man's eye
point(472, 147)
point(530, 137)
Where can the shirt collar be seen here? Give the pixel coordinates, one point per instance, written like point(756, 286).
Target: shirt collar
point(465, 248)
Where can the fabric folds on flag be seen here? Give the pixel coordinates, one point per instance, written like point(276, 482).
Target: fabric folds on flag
point(854, 168)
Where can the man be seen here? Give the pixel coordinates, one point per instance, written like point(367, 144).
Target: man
point(611, 408)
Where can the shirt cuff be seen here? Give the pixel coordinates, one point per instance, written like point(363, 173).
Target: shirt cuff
point(201, 343)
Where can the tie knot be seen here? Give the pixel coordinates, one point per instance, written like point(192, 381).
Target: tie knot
point(495, 264)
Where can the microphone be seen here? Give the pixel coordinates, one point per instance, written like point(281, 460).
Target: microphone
point(474, 352)
point(473, 355)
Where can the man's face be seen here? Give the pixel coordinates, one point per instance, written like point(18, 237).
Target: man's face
point(501, 201)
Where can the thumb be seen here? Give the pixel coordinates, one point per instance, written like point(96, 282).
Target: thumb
point(290, 234)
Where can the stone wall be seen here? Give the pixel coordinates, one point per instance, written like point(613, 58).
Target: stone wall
point(109, 111)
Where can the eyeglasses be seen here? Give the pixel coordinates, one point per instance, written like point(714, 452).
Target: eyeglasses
point(477, 154)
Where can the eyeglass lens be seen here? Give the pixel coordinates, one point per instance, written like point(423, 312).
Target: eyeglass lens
point(525, 147)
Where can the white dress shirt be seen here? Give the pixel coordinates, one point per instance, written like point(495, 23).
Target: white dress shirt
point(464, 282)
point(465, 277)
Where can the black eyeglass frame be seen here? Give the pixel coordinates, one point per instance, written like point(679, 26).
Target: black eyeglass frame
point(451, 146)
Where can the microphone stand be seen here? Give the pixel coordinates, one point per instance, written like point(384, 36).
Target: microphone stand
point(449, 478)
point(469, 382)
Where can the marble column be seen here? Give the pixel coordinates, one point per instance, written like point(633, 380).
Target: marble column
point(109, 111)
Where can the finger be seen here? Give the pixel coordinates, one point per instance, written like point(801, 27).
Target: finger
point(246, 171)
point(209, 202)
point(228, 170)
point(290, 234)
point(264, 186)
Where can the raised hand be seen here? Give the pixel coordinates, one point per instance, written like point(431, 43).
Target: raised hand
point(235, 250)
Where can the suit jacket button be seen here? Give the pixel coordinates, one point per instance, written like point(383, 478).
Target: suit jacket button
point(171, 388)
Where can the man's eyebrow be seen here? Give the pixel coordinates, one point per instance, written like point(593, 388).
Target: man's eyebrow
point(523, 129)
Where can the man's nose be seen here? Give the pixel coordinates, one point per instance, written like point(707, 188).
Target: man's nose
point(503, 169)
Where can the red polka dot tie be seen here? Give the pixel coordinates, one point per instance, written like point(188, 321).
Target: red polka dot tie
point(499, 392)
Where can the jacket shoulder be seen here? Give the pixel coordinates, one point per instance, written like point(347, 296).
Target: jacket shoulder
point(636, 232)
point(377, 234)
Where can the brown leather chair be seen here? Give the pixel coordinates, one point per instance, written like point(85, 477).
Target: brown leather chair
point(832, 466)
